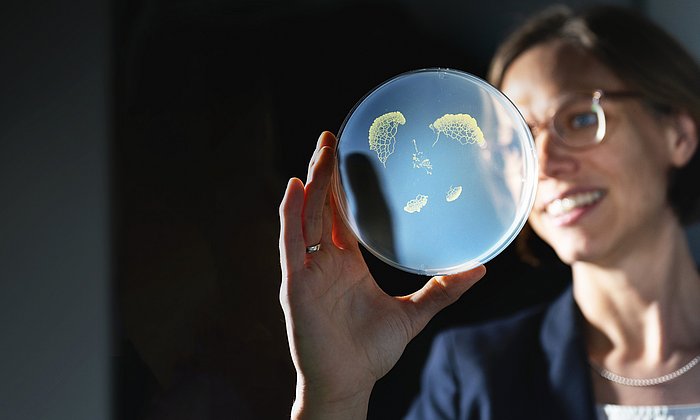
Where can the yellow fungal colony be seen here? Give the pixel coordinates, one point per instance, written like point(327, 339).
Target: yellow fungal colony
point(453, 193)
point(460, 127)
point(416, 204)
point(382, 134)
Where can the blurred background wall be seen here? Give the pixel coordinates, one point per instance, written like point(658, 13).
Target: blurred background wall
point(55, 240)
point(144, 148)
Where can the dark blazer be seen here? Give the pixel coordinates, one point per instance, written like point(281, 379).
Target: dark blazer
point(530, 366)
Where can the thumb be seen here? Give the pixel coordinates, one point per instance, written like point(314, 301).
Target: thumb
point(440, 292)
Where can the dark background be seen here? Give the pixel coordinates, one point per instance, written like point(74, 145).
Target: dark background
point(145, 147)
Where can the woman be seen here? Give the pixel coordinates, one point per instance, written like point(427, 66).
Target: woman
point(611, 200)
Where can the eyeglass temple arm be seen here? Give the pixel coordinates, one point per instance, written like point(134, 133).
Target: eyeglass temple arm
point(595, 107)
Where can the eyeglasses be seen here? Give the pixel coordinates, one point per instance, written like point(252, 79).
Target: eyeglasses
point(579, 121)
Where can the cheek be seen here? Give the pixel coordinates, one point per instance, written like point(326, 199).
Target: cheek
point(644, 156)
point(642, 193)
point(643, 177)
point(536, 218)
point(535, 222)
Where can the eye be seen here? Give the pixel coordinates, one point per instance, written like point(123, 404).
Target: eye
point(583, 120)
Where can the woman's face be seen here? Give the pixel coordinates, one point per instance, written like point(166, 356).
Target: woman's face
point(592, 204)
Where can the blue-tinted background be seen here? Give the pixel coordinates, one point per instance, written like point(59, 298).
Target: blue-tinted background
point(55, 240)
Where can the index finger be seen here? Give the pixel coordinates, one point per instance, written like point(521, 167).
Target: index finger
point(325, 139)
point(317, 186)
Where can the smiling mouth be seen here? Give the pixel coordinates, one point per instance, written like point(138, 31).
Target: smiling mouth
point(564, 205)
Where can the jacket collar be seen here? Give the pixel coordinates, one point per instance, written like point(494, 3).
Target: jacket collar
point(564, 347)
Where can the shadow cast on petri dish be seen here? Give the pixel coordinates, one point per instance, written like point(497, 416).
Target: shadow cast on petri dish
point(372, 214)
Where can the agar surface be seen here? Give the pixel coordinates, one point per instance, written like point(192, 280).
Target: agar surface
point(382, 134)
point(419, 162)
point(416, 204)
point(460, 127)
point(453, 193)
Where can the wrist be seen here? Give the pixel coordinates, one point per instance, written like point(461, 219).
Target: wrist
point(316, 404)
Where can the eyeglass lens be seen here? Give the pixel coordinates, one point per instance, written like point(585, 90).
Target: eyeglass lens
point(580, 122)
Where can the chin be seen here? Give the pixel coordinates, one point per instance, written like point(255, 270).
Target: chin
point(578, 252)
point(572, 248)
point(568, 257)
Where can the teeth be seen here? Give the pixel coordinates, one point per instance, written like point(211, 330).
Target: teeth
point(566, 204)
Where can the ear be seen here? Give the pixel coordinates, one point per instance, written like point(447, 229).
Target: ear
point(683, 140)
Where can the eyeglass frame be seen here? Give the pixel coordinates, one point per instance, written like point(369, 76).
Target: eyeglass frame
point(596, 96)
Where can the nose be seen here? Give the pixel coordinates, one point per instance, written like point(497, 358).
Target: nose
point(555, 159)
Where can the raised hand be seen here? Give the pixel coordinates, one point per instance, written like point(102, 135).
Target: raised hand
point(344, 332)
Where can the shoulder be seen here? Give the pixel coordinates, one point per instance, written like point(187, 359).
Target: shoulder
point(504, 367)
point(477, 346)
point(530, 337)
point(473, 367)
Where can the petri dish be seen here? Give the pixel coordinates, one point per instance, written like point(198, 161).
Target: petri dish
point(436, 171)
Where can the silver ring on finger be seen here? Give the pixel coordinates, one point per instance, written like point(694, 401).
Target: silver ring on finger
point(313, 248)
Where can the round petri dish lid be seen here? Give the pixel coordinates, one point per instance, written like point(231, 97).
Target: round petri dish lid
point(436, 171)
